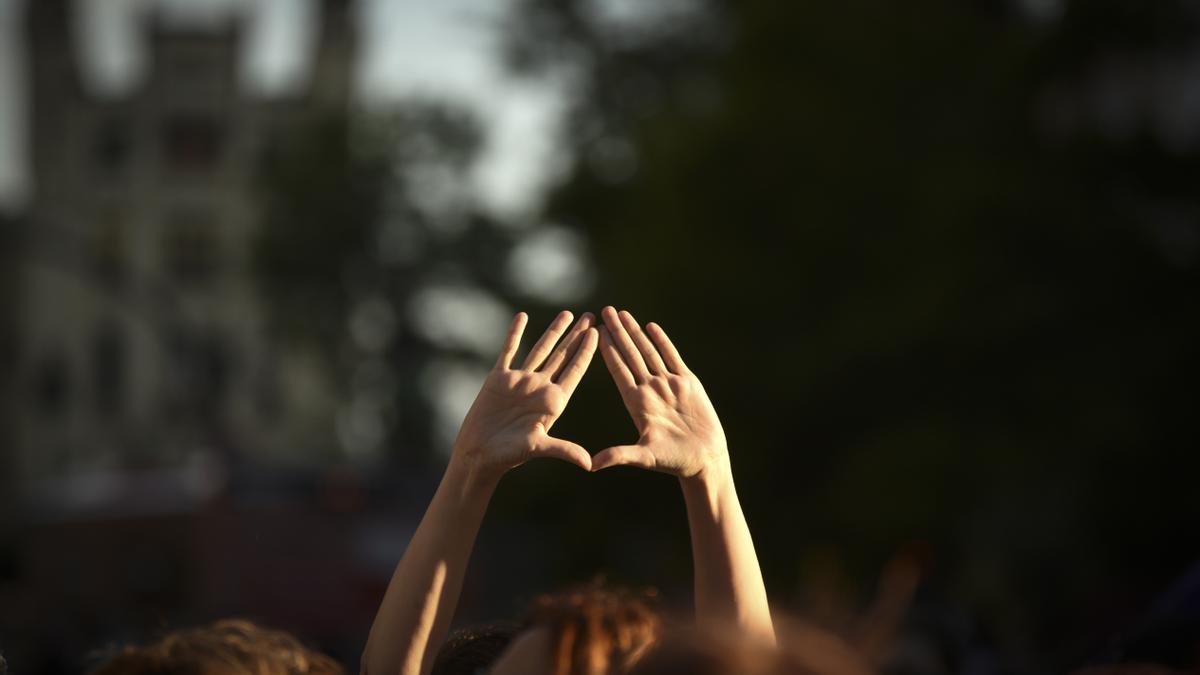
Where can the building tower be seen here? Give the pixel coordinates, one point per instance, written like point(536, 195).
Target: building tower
point(332, 78)
point(140, 336)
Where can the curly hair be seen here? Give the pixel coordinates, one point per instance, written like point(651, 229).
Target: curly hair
point(597, 630)
point(226, 647)
point(594, 630)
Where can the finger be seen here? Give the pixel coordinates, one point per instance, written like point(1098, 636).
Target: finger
point(653, 361)
point(568, 346)
point(623, 455)
point(546, 343)
point(573, 371)
point(624, 344)
point(512, 342)
point(567, 451)
point(616, 365)
point(667, 348)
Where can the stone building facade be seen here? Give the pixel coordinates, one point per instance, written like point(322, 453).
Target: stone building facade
point(140, 337)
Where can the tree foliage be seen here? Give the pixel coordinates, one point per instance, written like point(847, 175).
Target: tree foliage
point(937, 264)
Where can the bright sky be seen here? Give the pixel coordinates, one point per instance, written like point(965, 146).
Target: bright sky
point(446, 48)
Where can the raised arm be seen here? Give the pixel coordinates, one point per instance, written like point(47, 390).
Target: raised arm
point(680, 434)
point(508, 424)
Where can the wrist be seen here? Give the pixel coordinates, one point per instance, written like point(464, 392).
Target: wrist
point(711, 484)
point(470, 480)
point(715, 469)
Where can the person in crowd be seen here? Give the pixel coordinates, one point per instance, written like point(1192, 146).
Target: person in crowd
point(226, 647)
point(509, 424)
point(590, 630)
point(803, 650)
point(472, 650)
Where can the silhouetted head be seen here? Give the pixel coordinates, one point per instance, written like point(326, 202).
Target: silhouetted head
point(472, 651)
point(803, 650)
point(226, 647)
point(1129, 669)
point(694, 654)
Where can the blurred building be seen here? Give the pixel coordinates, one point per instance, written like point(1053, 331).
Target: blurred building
point(140, 338)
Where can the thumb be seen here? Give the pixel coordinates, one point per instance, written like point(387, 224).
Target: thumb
point(564, 450)
point(630, 455)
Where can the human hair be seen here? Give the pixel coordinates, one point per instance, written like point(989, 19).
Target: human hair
point(469, 651)
point(596, 630)
point(225, 647)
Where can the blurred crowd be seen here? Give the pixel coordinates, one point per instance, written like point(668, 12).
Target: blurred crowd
point(592, 629)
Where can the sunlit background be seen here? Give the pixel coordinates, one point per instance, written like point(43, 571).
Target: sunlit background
point(936, 263)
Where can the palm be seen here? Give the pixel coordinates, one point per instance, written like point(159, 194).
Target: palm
point(676, 423)
point(513, 414)
point(679, 432)
point(510, 420)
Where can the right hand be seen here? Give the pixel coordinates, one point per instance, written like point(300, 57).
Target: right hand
point(679, 432)
point(509, 422)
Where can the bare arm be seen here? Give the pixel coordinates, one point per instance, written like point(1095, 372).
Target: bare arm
point(415, 614)
point(508, 424)
point(728, 581)
point(680, 434)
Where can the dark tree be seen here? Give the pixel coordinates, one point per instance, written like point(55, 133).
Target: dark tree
point(937, 264)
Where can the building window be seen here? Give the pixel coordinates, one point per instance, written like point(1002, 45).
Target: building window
point(108, 242)
point(192, 142)
point(199, 369)
point(191, 246)
point(267, 391)
point(51, 385)
point(113, 144)
point(109, 362)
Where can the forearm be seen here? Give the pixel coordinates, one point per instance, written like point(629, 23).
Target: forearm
point(728, 581)
point(415, 614)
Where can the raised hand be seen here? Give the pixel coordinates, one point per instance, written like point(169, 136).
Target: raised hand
point(679, 430)
point(509, 422)
point(681, 435)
